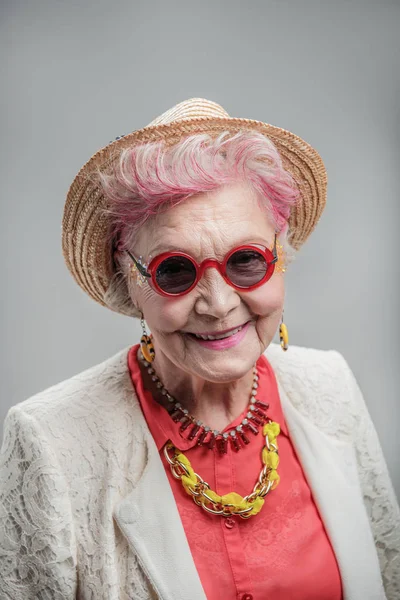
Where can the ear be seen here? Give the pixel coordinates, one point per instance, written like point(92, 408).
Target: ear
point(136, 305)
point(132, 293)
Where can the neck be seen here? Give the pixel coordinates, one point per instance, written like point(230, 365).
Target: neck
point(215, 404)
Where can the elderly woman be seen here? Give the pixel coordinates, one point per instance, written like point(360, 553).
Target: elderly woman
point(204, 462)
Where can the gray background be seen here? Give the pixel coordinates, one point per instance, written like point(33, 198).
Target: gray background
point(75, 75)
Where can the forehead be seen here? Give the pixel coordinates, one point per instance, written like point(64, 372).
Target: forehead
point(222, 218)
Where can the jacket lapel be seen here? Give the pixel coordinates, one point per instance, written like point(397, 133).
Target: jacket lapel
point(150, 521)
point(330, 467)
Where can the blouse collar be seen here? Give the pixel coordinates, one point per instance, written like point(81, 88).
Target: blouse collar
point(163, 428)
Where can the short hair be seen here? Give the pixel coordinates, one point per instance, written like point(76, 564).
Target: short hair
point(153, 177)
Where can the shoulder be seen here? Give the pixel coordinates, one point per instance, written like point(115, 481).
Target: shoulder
point(309, 365)
point(95, 406)
point(91, 385)
point(305, 360)
point(320, 384)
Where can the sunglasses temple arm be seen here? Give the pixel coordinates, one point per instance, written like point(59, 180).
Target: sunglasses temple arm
point(274, 252)
point(139, 267)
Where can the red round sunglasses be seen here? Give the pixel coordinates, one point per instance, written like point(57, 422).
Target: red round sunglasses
point(177, 273)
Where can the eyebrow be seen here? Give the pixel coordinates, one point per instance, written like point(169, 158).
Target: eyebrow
point(160, 248)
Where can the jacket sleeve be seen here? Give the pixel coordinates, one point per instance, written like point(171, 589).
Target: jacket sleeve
point(379, 496)
point(37, 546)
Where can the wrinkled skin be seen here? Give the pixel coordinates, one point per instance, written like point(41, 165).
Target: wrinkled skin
point(214, 385)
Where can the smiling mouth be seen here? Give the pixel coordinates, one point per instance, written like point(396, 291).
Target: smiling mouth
point(221, 336)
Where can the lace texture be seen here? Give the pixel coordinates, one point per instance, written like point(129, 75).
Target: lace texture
point(73, 451)
point(59, 482)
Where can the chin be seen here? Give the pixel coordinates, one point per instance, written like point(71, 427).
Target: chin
point(226, 365)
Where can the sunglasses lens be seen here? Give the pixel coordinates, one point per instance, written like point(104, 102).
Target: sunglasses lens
point(175, 274)
point(246, 267)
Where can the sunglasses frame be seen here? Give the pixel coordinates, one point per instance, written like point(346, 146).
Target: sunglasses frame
point(150, 271)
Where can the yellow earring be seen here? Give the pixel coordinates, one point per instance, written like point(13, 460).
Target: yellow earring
point(283, 335)
point(146, 344)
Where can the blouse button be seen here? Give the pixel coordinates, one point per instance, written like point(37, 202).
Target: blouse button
point(229, 524)
point(247, 597)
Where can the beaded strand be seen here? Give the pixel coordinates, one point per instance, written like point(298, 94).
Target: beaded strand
point(192, 428)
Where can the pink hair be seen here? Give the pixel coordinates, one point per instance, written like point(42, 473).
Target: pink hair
point(154, 177)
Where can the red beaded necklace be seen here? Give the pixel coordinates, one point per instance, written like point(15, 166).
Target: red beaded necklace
point(192, 428)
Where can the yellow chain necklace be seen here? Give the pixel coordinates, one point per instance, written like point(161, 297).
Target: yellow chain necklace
point(232, 503)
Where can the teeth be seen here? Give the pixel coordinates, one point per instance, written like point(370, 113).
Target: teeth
point(218, 337)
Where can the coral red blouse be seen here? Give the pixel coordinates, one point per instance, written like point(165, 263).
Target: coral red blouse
point(283, 552)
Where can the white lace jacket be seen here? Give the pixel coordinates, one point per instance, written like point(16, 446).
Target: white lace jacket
point(86, 510)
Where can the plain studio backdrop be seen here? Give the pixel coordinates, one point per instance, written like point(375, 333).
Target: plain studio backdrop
point(75, 75)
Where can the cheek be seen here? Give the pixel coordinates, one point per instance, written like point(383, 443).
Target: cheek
point(267, 305)
point(268, 299)
point(165, 315)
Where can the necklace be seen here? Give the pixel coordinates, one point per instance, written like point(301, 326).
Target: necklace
point(231, 504)
point(192, 428)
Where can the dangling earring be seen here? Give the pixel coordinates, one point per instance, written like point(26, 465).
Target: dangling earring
point(146, 344)
point(283, 335)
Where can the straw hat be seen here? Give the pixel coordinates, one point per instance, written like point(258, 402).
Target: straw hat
point(84, 226)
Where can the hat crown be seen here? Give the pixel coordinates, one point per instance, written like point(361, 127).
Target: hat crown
point(191, 109)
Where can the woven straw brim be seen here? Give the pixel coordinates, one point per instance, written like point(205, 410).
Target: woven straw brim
point(85, 227)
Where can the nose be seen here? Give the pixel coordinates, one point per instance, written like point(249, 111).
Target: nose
point(216, 297)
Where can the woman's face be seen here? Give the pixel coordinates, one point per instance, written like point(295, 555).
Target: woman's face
point(209, 226)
